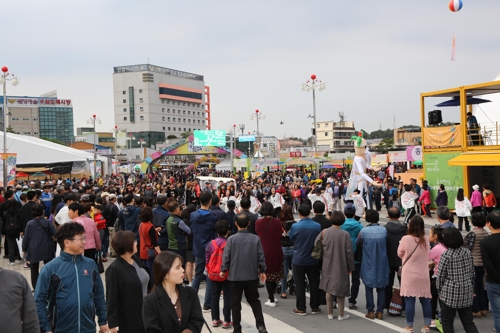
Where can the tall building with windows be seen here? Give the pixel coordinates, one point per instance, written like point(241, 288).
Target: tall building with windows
point(42, 117)
point(337, 135)
point(153, 103)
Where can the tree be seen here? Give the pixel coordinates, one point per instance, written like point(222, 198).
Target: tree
point(382, 134)
point(385, 145)
point(171, 137)
point(366, 135)
point(186, 134)
point(10, 129)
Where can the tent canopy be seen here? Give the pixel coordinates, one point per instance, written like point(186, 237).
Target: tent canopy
point(476, 160)
point(38, 152)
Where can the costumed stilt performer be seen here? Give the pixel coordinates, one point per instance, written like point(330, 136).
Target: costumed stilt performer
point(358, 178)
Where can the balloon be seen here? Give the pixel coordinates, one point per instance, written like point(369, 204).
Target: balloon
point(282, 122)
point(455, 5)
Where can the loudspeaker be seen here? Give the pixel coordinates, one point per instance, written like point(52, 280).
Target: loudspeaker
point(435, 117)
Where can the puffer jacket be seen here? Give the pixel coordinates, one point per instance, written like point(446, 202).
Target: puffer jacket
point(69, 294)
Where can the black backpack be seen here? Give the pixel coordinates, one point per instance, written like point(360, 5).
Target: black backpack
point(12, 224)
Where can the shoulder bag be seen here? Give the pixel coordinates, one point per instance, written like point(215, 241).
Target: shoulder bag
point(400, 269)
point(46, 230)
point(317, 253)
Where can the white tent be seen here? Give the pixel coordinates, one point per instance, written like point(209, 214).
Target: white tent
point(224, 165)
point(31, 150)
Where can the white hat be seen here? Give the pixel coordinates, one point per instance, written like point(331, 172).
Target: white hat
point(476, 187)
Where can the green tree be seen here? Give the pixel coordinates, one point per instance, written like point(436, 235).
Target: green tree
point(10, 129)
point(382, 134)
point(366, 135)
point(186, 134)
point(171, 137)
point(385, 145)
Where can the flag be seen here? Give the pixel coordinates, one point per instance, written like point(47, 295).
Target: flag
point(453, 48)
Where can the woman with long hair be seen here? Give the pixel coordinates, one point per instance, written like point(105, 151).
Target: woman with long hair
point(462, 209)
point(171, 307)
point(269, 230)
point(296, 195)
point(276, 199)
point(287, 220)
point(413, 250)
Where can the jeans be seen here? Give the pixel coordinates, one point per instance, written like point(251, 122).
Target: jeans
point(410, 310)
point(226, 310)
point(252, 296)
point(393, 270)
point(105, 242)
point(493, 290)
point(448, 316)
point(355, 283)
point(299, 277)
point(198, 273)
point(370, 303)
point(149, 265)
point(287, 261)
point(480, 302)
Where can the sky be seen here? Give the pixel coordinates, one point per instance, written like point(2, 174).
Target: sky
point(376, 57)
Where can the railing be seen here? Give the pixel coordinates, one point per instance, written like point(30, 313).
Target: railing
point(484, 136)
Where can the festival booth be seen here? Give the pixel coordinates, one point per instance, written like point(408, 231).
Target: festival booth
point(459, 150)
point(38, 155)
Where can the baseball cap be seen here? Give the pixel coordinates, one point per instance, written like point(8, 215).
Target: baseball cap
point(349, 208)
point(104, 194)
point(476, 187)
point(112, 196)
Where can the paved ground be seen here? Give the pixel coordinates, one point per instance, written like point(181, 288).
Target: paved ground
point(281, 319)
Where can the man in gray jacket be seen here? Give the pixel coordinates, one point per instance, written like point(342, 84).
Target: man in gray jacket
point(244, 258)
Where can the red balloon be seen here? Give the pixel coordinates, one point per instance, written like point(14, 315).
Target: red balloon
point(256, 111)
point(313, 77)
point(5, 69)
point(93, 116)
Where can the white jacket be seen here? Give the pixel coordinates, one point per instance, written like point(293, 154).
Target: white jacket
point(463, 208)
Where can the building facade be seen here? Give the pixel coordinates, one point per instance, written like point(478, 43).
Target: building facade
point(153, 102)
point(408, 136)
point(337, 135)
point(41, 117)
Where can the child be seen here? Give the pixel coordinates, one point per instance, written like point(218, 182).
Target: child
point(222, 229)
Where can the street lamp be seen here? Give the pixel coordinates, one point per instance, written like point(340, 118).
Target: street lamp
point(142, 142)
point(6, 76)
point(115, 130)
point(93, 120)
point(232, 136)
point(308, 86)
point(257, 115)
point(242, 128)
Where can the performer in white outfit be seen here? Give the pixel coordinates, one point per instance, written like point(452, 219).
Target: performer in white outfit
point(277, 200)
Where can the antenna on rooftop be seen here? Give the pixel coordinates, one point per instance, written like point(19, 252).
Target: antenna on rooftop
point(394, 123)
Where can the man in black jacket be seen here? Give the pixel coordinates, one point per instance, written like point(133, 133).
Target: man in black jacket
point(395, 231)
point(26, 214)
point(245, 204)
point(215, 209)
point(319, 211)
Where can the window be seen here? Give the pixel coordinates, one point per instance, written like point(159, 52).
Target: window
point(203, 121)
point(189, 112)
point(162, 109)
point(14, 119)
point(184, 112)
point(124, 92)
point(198, 121)
point(141, 100)
point(35, 119)
point(141, 108)
point(163, 127)
point(189, 129)
point(169, 129)
point(168, 102)
point(26, 119)
point(173, 119)
point(168, 110)
point(189, 104)
point(168, 119)
point(184, 129)
point(179, 119)
point(27, 133)
point(141, 118)
point(184, 103)
point(35, 133)
point(319, 125)
point(189, 121)
point(178, 103)
point(198, 114)
point(125, 118)
point(326, 133)
point(174, 129)
point(178, 111)
point(326, 124)
point(124, 101)
point(184, 120)
point(163, 118)
point(140, 91)
point(124, 109)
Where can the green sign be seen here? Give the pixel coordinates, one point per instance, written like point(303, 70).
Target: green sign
point(437, 171)
point(210, 138)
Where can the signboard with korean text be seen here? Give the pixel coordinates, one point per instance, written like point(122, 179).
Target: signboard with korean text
point(399, 156)
point(246, 138)
point(210, 138)
point(295, 154)
point(39, 101)
point(414, 153)
point(437, 171)
point(11, 169)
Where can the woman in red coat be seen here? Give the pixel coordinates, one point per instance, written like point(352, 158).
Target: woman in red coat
point(269, 231)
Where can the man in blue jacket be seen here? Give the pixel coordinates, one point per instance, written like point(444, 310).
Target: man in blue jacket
point(69, 292)
point(160, 216)
point(128, 217)
point(303, 234)
point(202, 228)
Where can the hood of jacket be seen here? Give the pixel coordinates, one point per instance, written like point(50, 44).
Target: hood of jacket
point(350, 224)
point(396, 228)
point(130, 210)
point(486, 192)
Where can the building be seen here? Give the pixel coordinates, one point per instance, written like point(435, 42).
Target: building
point(336, 135)
point(84, 130)
point(270, 146)
point(41, 117)
point(153, 103)
point(104, 139)
point(408, 136)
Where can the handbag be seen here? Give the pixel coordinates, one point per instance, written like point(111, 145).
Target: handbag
point(358, 254)
point(317, 253)
point(400, 269)
point(396, 304)
point(100, 264)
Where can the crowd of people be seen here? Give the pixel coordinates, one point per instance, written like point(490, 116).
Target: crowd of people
point(170, 232)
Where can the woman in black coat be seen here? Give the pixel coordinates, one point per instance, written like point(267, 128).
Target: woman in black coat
point(38, 242)
point(171, 307)
point(127, 282)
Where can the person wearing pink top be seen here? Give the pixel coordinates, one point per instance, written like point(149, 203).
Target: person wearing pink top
point(476, 199)
point(93, 241)
point(413, 250)
point(425, 197)
point(435, 236)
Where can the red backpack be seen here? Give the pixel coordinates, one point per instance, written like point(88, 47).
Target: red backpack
point(215, 263)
